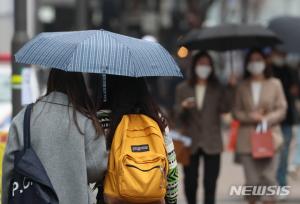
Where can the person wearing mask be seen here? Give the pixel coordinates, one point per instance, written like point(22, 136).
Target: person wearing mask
point(66, 136)
point(199, 105)
point(289, 80)
point(259, 98)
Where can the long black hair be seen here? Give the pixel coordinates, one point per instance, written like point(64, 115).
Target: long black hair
point(212, 77)
point(128, 95)
point(72, 84)
point(268, 70)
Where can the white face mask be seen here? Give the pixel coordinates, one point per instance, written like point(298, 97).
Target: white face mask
point(256, 68)
point(203, 71)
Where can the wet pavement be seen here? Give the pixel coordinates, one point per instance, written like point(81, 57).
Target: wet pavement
point(232, 174)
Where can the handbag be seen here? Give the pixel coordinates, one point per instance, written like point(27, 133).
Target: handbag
point(183, 153)
point(30, 183)
point(262, 142)
point(182, 146)
point(233, 135)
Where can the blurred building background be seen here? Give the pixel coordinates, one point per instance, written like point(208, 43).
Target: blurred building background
point(140, 17)
point(166, 20)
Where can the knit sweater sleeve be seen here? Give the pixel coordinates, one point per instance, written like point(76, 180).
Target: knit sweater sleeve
point(172, 176)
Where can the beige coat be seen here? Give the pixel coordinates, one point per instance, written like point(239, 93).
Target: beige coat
point(272, 102)
point(203, 126)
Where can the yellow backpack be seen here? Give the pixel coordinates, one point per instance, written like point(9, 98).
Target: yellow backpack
point(138, 163)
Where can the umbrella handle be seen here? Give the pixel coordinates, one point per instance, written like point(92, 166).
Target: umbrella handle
point(104, 87)
point(231, 63)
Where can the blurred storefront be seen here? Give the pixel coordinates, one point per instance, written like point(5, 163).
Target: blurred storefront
point(5, 103)
point(250, 11)
point(166, 20)
point(6, 25)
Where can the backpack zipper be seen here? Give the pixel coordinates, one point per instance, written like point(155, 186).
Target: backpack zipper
point(155, 167)
point(132, 166)
point(162, 176)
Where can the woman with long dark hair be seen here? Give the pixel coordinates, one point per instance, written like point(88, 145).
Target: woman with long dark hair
point(128, 95)
point(67, 137)
point(259, 98)
point(199, 105)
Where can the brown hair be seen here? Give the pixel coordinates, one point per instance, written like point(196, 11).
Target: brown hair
point(72, 84)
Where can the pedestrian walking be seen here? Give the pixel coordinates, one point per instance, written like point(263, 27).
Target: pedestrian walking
point(290, 82)
point(106, 53)
point(65, 135)
point(296, 159)
point(132, 107)
point(259, 98)
point(200, 102)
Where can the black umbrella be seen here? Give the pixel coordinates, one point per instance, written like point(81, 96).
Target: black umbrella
point(288, 29)
point(229, 37)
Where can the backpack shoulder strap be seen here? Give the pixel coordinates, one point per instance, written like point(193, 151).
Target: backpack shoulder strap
point(26, 126)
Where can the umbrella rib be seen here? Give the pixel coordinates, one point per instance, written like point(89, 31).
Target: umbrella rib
point(75, 48)
point(128, 50)
point(97, 51)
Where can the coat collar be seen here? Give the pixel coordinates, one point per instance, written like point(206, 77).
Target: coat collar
point(56, 97)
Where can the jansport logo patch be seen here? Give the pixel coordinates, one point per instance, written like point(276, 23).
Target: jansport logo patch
point(140, 148)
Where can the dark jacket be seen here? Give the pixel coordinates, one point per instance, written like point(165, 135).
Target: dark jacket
point(288, 78)
point(203, 126)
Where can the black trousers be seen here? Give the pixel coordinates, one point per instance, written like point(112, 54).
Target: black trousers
point(211, 173)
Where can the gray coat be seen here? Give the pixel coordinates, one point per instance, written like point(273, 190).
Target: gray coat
point(72, 160)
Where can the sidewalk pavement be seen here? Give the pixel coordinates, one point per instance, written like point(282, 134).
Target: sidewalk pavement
point(232, 174)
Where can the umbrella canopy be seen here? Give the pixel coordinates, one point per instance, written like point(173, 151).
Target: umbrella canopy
point(229, 37)
point(98, 51)
point(288, 29)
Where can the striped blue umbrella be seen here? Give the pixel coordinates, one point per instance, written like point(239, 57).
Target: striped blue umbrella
point(98, 51)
